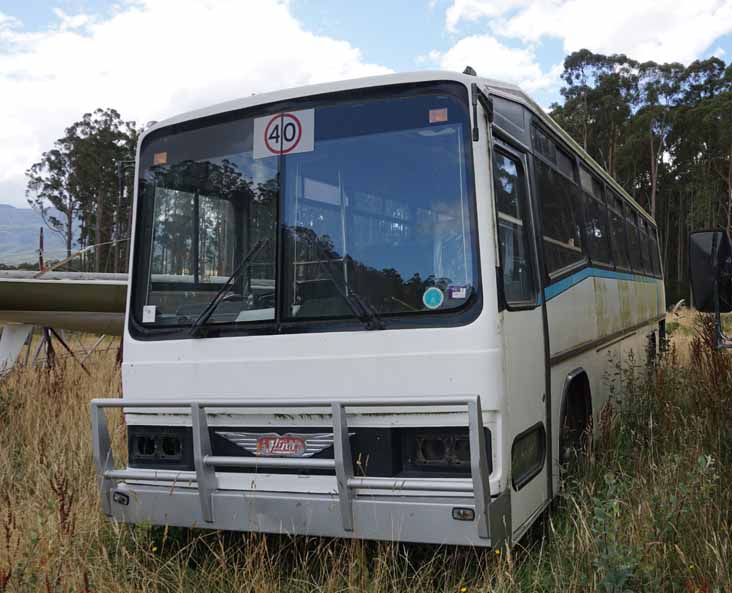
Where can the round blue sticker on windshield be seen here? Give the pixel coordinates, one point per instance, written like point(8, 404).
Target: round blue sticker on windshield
point(433, 298)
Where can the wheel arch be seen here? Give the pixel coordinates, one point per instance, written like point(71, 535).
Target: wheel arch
point(576, 389)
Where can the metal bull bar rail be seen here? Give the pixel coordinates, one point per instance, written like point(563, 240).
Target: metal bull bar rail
point(342, 462)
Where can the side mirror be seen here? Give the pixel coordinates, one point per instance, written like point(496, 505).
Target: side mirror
point(709, 271)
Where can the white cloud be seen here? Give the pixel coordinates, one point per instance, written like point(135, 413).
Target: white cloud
point(474, 10)
point(719, 53)
point(149, 60)
point(431, 57)
point(75, 21)
point(7, 22)
point(659, 30)
point(492, 59)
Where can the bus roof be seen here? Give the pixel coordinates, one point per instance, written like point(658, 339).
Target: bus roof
point(495, 87)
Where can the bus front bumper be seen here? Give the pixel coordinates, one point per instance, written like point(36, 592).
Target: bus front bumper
point(424, 519)
point(458, 511)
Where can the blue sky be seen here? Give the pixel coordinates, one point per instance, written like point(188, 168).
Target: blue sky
point(153, 58)
point(405, 31)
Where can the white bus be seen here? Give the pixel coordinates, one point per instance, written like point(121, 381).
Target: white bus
point(381, 308)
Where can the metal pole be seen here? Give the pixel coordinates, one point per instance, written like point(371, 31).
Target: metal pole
point(205, 475)
point(69, 350)
point(343, 463)
point(479, 467)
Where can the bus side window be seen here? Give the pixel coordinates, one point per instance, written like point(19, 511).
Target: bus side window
point(621, 258)
point(645, 253)
point(596, 218)
point(513, 231)
point(633, 240)
point(653, 266)
point(560, 202)
point(655, 257)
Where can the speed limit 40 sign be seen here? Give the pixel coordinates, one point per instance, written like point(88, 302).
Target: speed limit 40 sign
point(284, 133)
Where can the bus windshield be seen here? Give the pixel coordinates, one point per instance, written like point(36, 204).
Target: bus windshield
point(369, 198)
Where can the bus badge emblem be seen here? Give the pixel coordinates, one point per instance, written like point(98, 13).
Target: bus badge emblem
point(286, 446)
point(276, 445)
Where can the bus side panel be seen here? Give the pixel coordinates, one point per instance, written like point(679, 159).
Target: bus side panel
point(639, 301)
point(607, 306)
point(599, 326)
point(572, 317)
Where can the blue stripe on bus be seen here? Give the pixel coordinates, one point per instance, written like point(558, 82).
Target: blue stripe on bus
point(566, 283)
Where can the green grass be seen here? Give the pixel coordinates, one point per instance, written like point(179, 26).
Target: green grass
point(726, 319)
point(675, 327)
point(650, 508)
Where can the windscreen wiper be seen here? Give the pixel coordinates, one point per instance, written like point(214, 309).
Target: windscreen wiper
point(362, 310)
point(211, 307)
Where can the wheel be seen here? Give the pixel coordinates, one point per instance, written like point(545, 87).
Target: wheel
point(575, 432)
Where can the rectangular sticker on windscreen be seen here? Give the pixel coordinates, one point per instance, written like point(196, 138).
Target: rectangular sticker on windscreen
point(148, 313)
point(438, 115)
point(457, 292)
point(284, 133)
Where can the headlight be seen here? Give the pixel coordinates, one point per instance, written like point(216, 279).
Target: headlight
point(439, 449)
point(168, 447)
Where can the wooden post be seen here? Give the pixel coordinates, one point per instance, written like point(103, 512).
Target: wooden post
point(50, 352)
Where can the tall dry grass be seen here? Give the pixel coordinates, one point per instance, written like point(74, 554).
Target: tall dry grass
point(649, 510)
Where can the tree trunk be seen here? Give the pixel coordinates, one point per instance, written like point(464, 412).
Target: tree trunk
point(611, 151)
point(584, 121)
point(666, 235)
point(729, 191)
point(654, 171)
point(679, 241)
point(115, 246)
point(98, 260)
point(69, 236)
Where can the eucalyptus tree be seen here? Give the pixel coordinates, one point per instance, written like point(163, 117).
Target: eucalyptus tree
point(50, 190)
point(78, 177)
point(664, 131)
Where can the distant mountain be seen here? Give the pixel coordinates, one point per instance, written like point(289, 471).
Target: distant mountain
point(19, 236)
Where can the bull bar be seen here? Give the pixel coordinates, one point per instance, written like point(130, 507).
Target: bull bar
point(492, 514)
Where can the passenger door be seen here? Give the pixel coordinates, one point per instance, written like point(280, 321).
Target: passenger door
point(523, 336)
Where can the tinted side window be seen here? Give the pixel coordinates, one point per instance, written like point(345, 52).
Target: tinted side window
point(559, 198)
point(617, 232)
point(655, 257)
point(513, 229)
point(565, 164)
point(633, 241)
point(596, 219)
point(645, 252)
point(653, 263)
point(543, 145)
